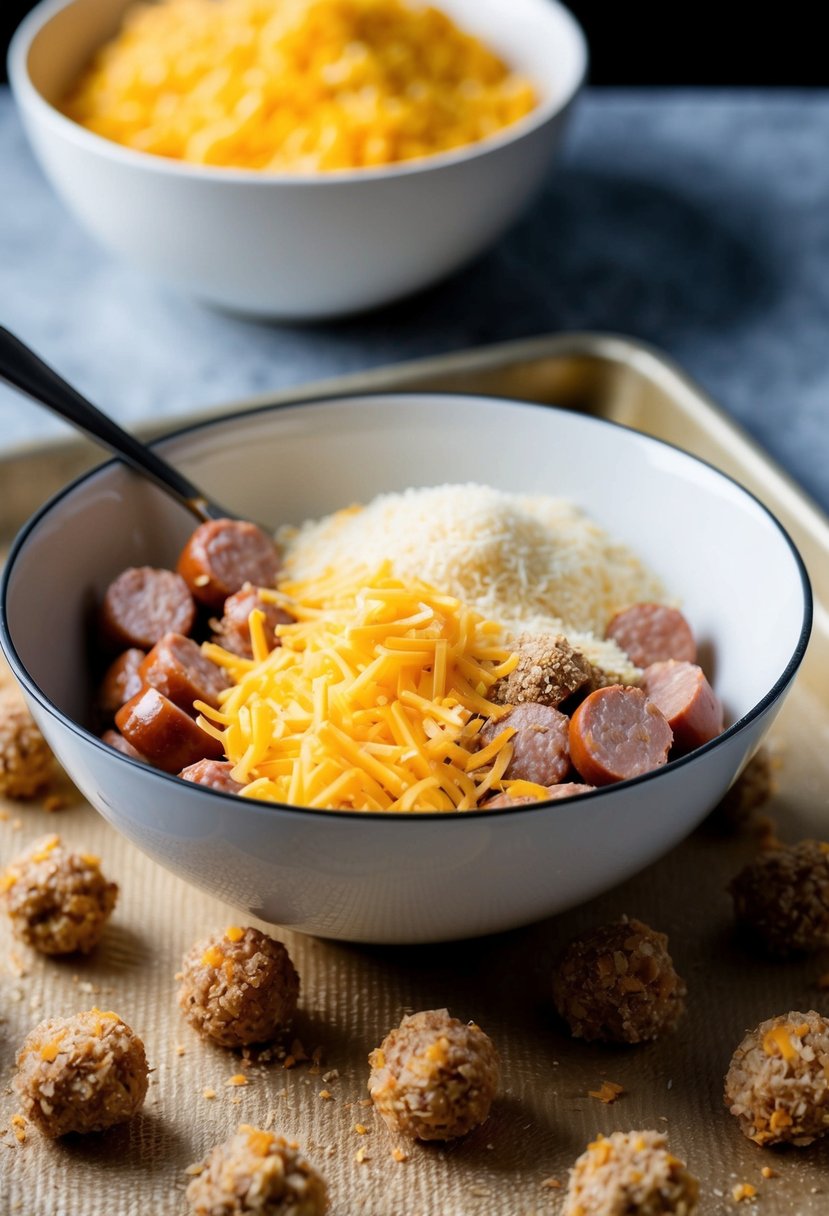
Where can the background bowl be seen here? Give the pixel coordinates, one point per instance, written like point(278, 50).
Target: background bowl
point(299, 246)
point(411, 878)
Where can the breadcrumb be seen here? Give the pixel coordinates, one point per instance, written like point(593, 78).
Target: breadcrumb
point(777, 1085)
point(239, 990)
point(58, 901)
point(257, 1173)
point(630, 1172)
point(26, 763)
point(618, 984)
point(433, 1077)
point(81, 1074)
point(549, 670)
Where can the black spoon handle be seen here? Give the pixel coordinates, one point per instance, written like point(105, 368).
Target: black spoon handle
point(22, 369)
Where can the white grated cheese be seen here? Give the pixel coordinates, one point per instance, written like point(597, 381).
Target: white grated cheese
point(535, 563)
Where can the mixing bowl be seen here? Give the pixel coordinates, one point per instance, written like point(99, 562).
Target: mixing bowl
point(288, 245)
point(416, 877)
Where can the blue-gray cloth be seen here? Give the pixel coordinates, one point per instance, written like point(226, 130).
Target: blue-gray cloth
point(698, 220)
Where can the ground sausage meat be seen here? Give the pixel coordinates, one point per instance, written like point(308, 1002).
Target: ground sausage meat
point(26, 763)
point(81, 1074)
point(617, 984)
point(540, 746)
point(630, 1173)
point(257, 1173)
point(777, 1086)
point(58, 901)
point(239, 987)
point(549, 671)
point(433, 1077)
point(782, 898)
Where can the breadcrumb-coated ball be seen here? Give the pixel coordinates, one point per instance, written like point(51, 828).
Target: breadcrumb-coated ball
point(777, 1085)
point(750, 791)
point(549, 670)
point(81, 1074)
point(58, 901)
point(433, 1077)
point(630, 1174)
point(239, 987)
point(617, 984)
point(257, 1173)
point(26, 763)
point(782, 898)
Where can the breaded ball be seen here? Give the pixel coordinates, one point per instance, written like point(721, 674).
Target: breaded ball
point(239, 987)
point(58, 901)
point(777, 1085)
point(618, 984)
point(26, 763)
point(434, 1077)
point(81, 1074)
point(630, 1174)
point(782, 898)
point(752, 789)
point(256, 1173)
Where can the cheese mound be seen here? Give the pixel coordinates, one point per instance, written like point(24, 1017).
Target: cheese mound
point(535, 563)
point(372, 702)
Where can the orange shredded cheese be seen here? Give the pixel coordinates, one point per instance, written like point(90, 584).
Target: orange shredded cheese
point(50, 1051)
point(212, 957)
point(46, 848)
point(234, 934)
point(778, 1039)
point(780, 1118)
point(372, 702)
point(607, 1093)
point(238, 1078)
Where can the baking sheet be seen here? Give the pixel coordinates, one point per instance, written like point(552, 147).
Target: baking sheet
point(352, 995)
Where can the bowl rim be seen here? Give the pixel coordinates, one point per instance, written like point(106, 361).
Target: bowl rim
point(392, 399)
point(28, 96)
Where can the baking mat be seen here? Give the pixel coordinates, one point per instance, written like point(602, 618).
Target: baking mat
point(351, 995)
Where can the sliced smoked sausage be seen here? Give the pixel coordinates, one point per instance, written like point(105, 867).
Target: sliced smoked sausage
point(617, 733)
point(169, 738)
point(233, 631)
point(540, 743)
point(224, 554)
point(566, 789)
point(177, 667)
point(687, 700)
point(121, 681)
point(114, 739)
point(215, 774)
point(143, 604)
point(649, 633)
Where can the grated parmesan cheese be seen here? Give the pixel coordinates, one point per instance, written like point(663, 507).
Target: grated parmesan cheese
point(535, 563)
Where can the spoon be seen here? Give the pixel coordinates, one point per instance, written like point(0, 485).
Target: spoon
point(21, 368)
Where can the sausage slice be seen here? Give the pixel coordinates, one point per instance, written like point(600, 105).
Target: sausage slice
point(113, 739)
point(169, 738)
point(687, 700)
point(233, 631)
point(215, 774)
point(618, 733)
point(177, 668)
point(540, 744)
point(224, 554)
point(650, 633)
point(566, 789)
point(143, 604)
point(121, 681)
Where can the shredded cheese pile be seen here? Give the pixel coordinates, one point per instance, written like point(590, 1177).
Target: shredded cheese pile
point(295, 85)
point(372, 702)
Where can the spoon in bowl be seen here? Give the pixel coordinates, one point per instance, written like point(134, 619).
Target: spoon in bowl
point(23, 370)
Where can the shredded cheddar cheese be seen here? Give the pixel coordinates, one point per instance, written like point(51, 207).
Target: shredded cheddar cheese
point(372, 702)
point(295, 85)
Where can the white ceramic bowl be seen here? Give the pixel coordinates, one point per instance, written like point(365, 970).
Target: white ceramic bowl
point(287, 245)
point(412, 878)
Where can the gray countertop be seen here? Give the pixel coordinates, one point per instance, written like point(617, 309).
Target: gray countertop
point(697, 220)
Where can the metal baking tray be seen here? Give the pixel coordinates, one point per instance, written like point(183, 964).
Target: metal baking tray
point(676, 1083)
